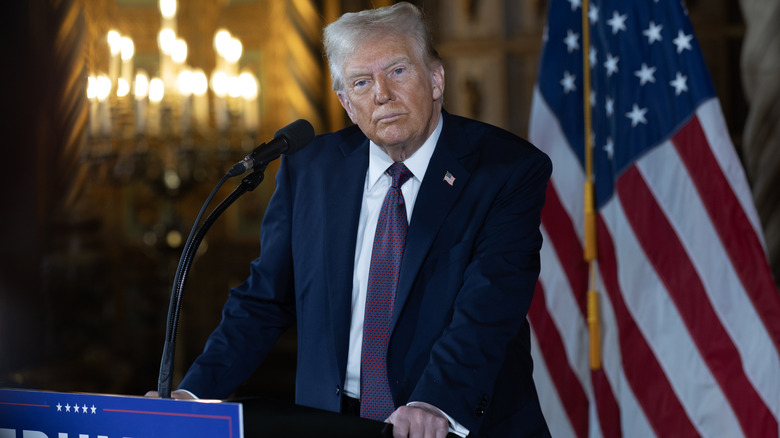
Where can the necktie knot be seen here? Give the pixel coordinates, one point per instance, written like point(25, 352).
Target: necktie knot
point(400, 174)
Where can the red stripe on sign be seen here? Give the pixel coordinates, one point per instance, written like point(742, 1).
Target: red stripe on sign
point(665, 252)
point(648, 382)
point(568, 386)
point(735, 230)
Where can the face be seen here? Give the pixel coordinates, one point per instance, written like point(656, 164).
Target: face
point(392, 95)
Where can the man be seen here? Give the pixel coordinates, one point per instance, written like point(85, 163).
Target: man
point(451, 349)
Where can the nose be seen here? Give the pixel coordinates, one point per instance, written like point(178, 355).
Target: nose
point(383, 92)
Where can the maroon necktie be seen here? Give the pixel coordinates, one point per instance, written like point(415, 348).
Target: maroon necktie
point(376, 401)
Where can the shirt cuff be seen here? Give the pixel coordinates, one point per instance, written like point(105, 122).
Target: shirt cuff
point(455, 427)
point(190, 393)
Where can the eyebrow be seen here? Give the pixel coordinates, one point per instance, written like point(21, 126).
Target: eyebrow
point(392, 62)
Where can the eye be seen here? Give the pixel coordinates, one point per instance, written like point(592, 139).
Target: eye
point(399, 70)
point(360, 83)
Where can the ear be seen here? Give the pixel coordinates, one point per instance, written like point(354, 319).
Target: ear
point(346, 104)
point(437, 76)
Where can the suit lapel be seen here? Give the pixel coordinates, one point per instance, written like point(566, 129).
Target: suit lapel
point(343, 190)
point(434, 201)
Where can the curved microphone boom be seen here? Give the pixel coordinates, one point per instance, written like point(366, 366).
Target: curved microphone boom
point(287, 140)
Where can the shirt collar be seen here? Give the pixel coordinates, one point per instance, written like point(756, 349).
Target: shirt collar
point(417, 163)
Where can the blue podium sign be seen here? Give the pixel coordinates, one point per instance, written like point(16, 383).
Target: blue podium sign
point(42, 414)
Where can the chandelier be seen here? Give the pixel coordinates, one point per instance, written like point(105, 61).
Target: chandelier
point(176, 124)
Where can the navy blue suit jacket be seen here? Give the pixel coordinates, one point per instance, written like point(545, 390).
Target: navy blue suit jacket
point(460, 338)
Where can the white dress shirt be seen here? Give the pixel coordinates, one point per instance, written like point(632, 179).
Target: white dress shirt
point(376, 186)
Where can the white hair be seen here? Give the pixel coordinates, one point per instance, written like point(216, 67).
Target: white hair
point(343, 36)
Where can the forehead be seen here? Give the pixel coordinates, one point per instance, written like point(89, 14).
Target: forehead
point(380, 52)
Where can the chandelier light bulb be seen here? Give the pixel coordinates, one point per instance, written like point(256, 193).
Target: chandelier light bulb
point(127, 48)
point(200, 83)
point(179, 51)
point(249, 88)
point(103, 87)
point(122, 87)
point(184, 82)
point(221, 41)
point(114, 42)
point(219, 83)
point(234, 49)
point(168, 8)
point(166, 39)
point(141, 85)
point(91, 87)
point(156, 90)
point(234, 87)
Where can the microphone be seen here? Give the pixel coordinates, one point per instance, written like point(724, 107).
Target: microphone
point(287, 140)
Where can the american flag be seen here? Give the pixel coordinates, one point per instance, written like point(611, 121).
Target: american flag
point(689, 313)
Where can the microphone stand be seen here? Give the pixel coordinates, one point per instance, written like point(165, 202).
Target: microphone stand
point(248, 183)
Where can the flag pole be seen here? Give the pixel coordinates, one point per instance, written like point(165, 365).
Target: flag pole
point(590, 250)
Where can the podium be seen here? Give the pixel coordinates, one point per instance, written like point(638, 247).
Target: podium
point(44, 414)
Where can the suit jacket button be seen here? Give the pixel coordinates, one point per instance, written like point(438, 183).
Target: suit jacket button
point(338, 390)
point(480, 412)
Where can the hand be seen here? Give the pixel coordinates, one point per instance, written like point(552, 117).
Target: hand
point(177, 394)
point(419, 420)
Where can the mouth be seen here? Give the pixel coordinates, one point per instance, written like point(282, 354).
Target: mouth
point(389, 118)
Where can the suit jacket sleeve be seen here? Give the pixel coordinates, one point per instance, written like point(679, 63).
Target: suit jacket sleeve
point(255, 313)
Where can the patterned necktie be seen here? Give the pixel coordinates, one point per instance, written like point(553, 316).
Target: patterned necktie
point(376, 401)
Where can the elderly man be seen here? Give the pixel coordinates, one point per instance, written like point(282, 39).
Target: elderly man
point(405, 248)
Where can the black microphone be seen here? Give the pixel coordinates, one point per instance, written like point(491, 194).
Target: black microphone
point(287, 140)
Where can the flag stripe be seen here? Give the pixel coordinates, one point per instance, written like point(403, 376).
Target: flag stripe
point(546, 133)
point(680, 201)
point(568, 318)
point(570, 390)
point(742, 245)
point(563, 236)
point(664, 330)
point(714, 127)
point(675, 270)
point(606, 406)
point(640, 366)
point(554, 413)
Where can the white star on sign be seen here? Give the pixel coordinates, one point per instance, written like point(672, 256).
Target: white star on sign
point(637, 115)
point(611, 64)
point(617, 22)
point(59, 407)
point(67, 408)
point(571, 41)
point(568, 82)
point(682, 41)
point(645, 74)
point(653, 33)
point(94, 409)
point(680, 84)
point(575, 4)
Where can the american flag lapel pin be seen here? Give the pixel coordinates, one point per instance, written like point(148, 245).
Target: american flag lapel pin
point(449, 178)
